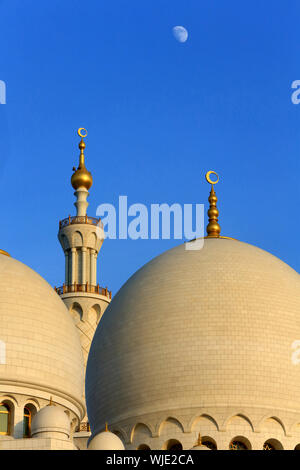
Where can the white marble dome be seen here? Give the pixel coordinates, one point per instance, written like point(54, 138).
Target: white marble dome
point(51, 420)
point(198, 332)
point(41, 351)
point(106, 440)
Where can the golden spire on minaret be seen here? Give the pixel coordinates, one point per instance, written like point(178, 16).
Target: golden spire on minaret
point(82, 177)
point(213, 228)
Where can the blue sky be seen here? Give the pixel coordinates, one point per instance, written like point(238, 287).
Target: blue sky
point(159, 114)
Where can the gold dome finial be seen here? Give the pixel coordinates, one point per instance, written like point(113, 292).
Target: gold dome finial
point(81, 177)
point(2, 252)
point(51, 401)
point(213, 228)
point(106, 427)
point(199, 441)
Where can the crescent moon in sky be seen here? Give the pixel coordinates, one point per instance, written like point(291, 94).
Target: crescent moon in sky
point(208, 179)
point(180, 33)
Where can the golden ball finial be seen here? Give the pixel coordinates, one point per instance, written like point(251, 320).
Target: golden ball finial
point(81, 145)
point(82, 177)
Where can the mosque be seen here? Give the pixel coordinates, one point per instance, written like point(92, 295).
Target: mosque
point(193, 352)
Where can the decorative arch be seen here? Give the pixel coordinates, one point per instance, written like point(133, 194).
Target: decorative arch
point(172, 421)
point(275, 418)
point(97, 310)
point(34, 402)
point(77, 239)
point(195, 420)
point(74, 424)
point(237, 415)
point(9, 398)
point(92, 240)
point(76, 310)
point(143, 429)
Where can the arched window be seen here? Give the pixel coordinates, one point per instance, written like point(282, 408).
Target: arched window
point(172, 444)
point(209, 442)
point(27, 422)
point(237, 445)
point(272, 444)
point(268, 446)
point(176, 447)
point(4, 419)
point(143, 447)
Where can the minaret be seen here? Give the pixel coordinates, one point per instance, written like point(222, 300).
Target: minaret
point(81, 238)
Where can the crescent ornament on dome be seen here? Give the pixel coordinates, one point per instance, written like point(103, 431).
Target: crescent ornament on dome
point(208, 178)
point(82, 132)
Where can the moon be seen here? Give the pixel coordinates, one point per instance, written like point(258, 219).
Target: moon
point(180, 33)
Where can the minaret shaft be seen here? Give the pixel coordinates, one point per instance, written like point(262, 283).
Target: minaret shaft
point(80, 266)
point(81, 238)
point(81, 203)
point(81, 247)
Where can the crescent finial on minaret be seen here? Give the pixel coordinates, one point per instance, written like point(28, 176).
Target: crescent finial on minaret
point(82, 177)
point(213, 228)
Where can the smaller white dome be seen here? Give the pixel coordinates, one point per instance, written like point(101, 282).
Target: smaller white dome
point(106, 440)
point(199, 445)
point(51, 420)
point(200, 448)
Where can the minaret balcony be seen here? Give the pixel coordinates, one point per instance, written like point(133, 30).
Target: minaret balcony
point(80, 220)
point(87, 288)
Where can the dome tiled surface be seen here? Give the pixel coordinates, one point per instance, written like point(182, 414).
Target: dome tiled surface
point(210, 328)
point(43, 351)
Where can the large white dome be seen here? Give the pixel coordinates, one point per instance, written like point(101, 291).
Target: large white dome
point(198, 330)
point(43, 355)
